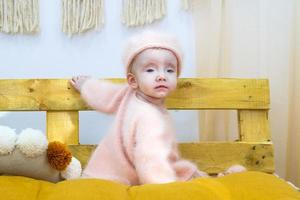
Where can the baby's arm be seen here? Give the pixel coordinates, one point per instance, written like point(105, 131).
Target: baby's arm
point(151, 153)
point(100, 95)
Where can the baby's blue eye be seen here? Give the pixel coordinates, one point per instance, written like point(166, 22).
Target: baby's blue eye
point(170, 70)
point(149, 70)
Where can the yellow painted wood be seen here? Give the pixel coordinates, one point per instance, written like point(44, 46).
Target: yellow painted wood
point(191, 93)
point(63, 126)
point(82, 152)
point(39, 94)
point(249, 96)
point(212, 157)
point(218, 93)
point(254, 125)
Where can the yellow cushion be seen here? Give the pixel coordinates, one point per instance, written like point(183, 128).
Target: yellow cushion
point(240, 186)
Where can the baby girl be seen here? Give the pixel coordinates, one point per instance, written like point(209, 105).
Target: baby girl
point(141, 146)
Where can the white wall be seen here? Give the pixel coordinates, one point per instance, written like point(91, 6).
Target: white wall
point(52, 54)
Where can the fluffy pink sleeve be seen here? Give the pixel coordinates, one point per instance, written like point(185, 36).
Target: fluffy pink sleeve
point(152, 151)
point(102, 95)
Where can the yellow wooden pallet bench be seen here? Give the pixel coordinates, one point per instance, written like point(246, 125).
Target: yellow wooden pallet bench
point(254, 149)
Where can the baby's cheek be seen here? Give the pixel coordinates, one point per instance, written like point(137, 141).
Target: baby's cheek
point(146, 88)
point(174, 84)
point(147, 82)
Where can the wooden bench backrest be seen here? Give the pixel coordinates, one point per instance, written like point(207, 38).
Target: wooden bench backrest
point(250, 97)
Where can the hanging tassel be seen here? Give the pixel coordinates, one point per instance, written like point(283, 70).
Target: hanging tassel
point(19, 16)
point(141, 12)
point(82, 15)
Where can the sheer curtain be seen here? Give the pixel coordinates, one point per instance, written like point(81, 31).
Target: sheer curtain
point(254, 39)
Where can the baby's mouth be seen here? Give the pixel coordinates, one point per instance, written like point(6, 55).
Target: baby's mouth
point(161, 87)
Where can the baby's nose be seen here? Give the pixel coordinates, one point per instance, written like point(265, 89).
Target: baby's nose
point(161, 77)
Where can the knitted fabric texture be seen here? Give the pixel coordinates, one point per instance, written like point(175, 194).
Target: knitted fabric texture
point(139, 148)
point(151, 39)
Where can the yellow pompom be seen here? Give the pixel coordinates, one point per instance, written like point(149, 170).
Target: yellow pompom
point(59, 157)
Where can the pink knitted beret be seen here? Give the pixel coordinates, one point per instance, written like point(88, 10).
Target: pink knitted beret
point(147, 40)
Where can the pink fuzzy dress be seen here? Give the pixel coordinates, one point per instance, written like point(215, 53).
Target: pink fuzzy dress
point(140, 147)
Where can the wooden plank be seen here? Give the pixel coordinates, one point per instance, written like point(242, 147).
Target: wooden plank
point(63, 126)
point(218, 93)
point(253, 125)
point(39, 94)
point(191, 93)
point(212, 157)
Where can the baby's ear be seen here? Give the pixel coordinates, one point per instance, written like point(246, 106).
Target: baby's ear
point(131, 79)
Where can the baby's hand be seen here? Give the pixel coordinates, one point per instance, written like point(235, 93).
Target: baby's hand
point(199, 173)
point(77, 81)
point(233, 169)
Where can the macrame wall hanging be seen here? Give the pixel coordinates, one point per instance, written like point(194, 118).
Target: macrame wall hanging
point(141, 12)
point(79, 16)
point(19, 16)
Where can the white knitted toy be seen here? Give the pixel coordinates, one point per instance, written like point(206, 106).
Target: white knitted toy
point(29, 154)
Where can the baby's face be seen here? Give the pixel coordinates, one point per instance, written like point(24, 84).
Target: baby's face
point(155, 72)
